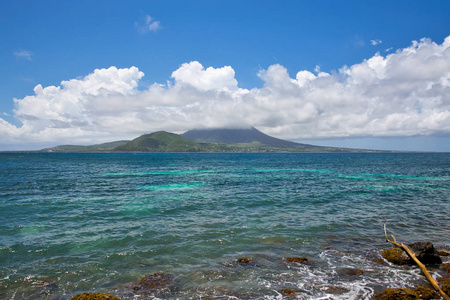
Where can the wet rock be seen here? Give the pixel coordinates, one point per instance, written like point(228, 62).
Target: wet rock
point(351, 271)
point(300, 260)
point(288, 292)
point(425, 293)
point(407, 294)
point(154, 283)
point(94, 296)
point(445, 284)
point(380, 261)
point(446, 267)
point(243, 260)
point(396, 294)
point(426, 253)
point(443, 252)
point(337, 290)
point(396, 256)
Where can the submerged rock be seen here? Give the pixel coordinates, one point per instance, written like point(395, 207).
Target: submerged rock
point(94, 296)
point(337, 290)
point(244, 260)
point(407, 294)
point(351, 271)
point(300, 260)
point(154, 283)
point(424, 251)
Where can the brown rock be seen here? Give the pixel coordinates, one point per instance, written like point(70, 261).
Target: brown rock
point(443, 252)
point(94, 296)
point(424, 251)
point(407, 294)
point(351, 271)
point(300, 260)
point(446, 267)
point(445, 284)
point(396, 256)
point(395, 294)
point(380, 261)
point(244, 260)
point(338, 290)
point(288, 292)
point(425, 293)
point(156, 282)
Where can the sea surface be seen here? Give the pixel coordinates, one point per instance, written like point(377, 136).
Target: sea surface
point(75, 223)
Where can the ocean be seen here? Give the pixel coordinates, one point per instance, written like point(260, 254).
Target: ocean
point(218, 225)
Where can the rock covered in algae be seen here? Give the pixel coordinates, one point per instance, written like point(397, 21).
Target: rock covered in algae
point(396, 256)
point(288, 292)
point(244, 260)
point(94, 296)
point(407, 294)
point(445, 284)
point(295, 259)
point(154, 283)
point(351, 271)
point(424, 251)
point(446, 267)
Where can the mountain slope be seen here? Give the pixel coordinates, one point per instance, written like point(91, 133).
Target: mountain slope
point(212, 140)
point(92, 148)
point(161, 141)
point(241, 136)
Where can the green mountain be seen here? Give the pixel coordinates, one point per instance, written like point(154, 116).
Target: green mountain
point(92, 148)
point(210, 140)
point(250, 136)
point(161, 141)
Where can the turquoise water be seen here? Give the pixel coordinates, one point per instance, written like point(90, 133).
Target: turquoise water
point(74, 223)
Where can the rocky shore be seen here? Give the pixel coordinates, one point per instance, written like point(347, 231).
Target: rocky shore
point(161, 284)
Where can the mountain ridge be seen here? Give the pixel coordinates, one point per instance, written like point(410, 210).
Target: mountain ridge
point(238, 136)
point(203, 140)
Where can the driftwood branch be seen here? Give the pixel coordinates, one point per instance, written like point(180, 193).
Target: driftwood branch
point(417, 261)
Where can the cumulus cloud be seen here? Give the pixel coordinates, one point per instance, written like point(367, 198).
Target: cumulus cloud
point(148, 24)
point(375, 42)
point(23, 54)
point(406, 93)
point(195, 75)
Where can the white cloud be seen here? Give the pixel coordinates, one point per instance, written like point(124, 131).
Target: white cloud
point(375, 42)
point(148, 24)
point(23, 54)
point(195, 75)
point(406, 93)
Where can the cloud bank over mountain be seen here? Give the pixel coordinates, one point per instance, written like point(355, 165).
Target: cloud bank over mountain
point(406, 93)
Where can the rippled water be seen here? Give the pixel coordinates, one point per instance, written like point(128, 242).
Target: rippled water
point(74, 223)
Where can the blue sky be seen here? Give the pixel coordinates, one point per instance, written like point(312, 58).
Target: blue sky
point(227, 63)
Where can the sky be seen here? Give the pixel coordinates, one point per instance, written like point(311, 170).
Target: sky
point(358, 74)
